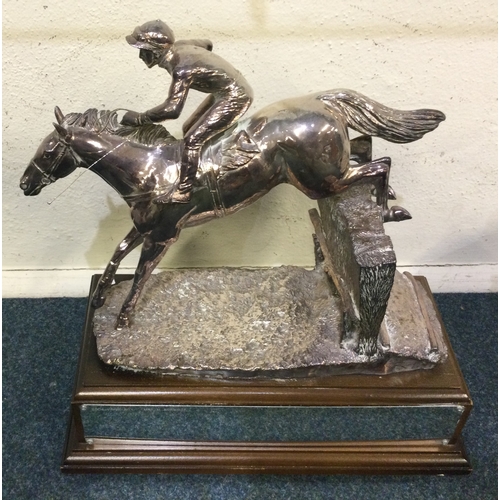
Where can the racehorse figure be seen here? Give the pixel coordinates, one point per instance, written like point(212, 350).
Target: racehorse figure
point(302, 141)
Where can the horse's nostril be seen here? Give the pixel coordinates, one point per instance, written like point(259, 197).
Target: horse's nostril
point(23, 186)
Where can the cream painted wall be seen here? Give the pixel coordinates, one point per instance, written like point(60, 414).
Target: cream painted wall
point(404, 54)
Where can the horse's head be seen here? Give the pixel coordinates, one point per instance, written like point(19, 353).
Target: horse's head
point(53, 160)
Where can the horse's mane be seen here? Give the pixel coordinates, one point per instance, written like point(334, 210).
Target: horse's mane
point(235, 154)
point(104, 121)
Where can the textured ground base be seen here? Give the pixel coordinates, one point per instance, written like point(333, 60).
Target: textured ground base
point(255, 321)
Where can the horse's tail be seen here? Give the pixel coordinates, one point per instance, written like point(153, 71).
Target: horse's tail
point(370, 117)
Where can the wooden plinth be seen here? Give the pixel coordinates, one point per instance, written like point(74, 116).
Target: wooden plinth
point(96, 384)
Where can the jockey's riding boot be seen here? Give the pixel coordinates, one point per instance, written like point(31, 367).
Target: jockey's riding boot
point(189, 167)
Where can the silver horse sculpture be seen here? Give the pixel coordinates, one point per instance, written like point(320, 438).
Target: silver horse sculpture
point(303, 142)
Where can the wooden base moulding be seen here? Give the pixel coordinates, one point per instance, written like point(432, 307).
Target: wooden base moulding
point(427, 391)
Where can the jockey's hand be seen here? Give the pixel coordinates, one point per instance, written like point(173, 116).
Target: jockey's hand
point(132, 118)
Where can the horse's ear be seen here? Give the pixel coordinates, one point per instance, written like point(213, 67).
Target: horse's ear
point(64, 133)
point(59, 115)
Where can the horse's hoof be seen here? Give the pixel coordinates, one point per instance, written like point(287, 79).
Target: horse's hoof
point(391, 194)
point(122, 322)
point(396, 214)
point(98, 301)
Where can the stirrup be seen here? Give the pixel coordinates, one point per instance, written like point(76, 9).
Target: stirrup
point(176, 197)
point(179, 197)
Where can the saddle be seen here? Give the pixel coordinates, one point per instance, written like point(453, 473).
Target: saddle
point(239, 152)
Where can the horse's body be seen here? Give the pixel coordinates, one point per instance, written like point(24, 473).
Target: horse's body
point(303, 142)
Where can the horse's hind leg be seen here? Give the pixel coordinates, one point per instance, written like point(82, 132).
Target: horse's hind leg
point(361, 149)
point(376, 172)
point(131, 241)
point(361, 152)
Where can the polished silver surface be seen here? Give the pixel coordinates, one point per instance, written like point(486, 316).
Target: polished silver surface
point(192, 65)
point(302, 141)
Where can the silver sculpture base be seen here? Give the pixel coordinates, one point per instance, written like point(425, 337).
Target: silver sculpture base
point(277, 322)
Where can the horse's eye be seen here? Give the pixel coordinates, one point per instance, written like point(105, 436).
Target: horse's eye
point(46, 154)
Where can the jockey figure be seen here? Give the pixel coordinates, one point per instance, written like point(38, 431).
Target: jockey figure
point(191, 65)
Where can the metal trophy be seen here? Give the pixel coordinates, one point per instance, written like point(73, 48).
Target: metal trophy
point(196, 370)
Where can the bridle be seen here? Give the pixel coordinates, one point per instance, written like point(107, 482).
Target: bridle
point(48, 176)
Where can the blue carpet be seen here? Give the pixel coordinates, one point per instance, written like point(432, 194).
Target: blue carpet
point(41, 339)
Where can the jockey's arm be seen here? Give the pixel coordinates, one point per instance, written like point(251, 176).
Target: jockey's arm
point(172, 107)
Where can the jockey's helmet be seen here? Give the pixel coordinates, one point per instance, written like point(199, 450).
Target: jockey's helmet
point(151, 35)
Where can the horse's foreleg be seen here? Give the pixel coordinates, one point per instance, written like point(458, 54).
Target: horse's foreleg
point(151, 254)
point(377, 173)
point(131, 241)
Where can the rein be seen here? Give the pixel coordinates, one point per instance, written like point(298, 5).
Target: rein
point(48, 177)
point(210, 181)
